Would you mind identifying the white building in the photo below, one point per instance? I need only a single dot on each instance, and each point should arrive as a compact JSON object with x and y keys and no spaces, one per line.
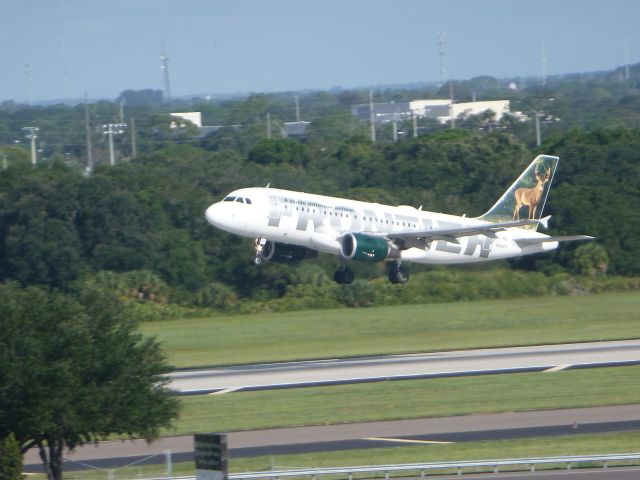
{"x":499,"y":107}
{"x":193,"y":117}
{"x":441,"y":109}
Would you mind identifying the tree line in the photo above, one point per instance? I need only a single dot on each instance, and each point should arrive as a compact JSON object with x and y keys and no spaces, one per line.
{"x":59,"y":227}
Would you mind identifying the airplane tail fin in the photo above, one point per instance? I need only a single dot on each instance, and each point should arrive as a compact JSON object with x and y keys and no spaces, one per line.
{"x":526,"y":197}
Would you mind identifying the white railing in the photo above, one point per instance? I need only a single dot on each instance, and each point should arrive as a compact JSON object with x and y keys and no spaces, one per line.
{"x":420,"y":469}
{"x":424,"y":468}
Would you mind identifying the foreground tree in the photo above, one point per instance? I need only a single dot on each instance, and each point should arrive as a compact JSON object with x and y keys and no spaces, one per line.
{"x":73,"y":372}
{"x":10,"y":459}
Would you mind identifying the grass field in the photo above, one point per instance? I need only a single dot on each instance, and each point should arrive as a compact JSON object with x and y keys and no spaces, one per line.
{"x":409,"y":399}
{"x":234,"y":339}
{"x":520,"y":448}
{"x":531,"y":447}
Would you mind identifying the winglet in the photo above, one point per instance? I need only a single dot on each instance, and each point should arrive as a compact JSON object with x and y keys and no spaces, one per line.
{"x":545,"y":221}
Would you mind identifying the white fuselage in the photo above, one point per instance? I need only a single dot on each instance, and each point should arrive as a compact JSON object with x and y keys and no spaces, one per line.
{"x":318,"y":222}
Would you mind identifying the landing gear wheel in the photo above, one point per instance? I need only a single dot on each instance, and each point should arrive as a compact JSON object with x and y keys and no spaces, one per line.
{"x":343,"y":276}
{"x":259,"y":245}
{"x":398,"y":275}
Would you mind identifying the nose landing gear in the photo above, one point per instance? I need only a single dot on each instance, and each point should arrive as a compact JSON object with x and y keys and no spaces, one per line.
{"x":259,"y":259}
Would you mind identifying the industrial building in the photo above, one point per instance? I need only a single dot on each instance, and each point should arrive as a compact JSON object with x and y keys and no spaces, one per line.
{"x":441,"y":110}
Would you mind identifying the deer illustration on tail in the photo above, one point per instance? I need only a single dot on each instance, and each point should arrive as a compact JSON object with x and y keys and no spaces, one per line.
{"x":531,"y":196}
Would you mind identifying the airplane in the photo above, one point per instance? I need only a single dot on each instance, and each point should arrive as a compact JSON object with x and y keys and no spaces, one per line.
{"x":289,"y":226}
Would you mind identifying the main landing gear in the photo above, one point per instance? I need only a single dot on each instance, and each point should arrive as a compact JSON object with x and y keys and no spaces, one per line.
{"x":397,"y":274}
{"x":343,"y":276}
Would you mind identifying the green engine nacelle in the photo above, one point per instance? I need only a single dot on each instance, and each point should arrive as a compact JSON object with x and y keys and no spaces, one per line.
{"x":364,"y":248}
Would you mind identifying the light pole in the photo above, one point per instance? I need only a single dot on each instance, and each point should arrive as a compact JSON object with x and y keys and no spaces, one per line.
{"x":111,"y":129}
{"x":32,"y":134}
{"x":538,"y":136}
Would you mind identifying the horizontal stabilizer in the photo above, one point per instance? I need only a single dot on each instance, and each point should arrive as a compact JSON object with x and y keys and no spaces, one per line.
{"x":526,"y":242}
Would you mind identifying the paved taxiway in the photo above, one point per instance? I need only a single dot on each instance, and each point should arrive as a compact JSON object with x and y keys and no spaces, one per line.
{"x":412,"y":366}
{"x":367,"y":435}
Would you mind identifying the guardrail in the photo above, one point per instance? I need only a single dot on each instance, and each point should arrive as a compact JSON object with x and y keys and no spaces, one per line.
{"x":423,"y":468}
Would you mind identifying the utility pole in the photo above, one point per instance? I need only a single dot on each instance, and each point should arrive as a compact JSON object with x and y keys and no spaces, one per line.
{"x":164,"y":68}
{"x":451,"y":109}
{"x":269,"y":126}
{"x":626,"y":58}
{"x":372,"y":119}
{"x":110,"y":130}
{"x":544,"y":64}
{"x":32,"y":134}
{"x":538,"y":136}
{"x":87,"y":131}
{"x":121,"y":110}
{"x":27,"y":74}
{"x":414,"y":120}
{"x":134,"y":148}
{"x":395,"y":128}
{"x":297,"y":100}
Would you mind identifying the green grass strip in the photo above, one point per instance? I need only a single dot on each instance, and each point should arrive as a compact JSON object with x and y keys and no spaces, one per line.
{"x":395,"y":400}
{"x":234,"y":339}
{"x":591,"y":444}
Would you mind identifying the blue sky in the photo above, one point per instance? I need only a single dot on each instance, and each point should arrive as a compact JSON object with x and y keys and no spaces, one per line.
{"x":227,"y":46}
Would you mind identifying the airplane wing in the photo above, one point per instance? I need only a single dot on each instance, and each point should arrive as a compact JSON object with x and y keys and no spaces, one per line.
{"x":526,"y":242}
{"x":413,"y":238}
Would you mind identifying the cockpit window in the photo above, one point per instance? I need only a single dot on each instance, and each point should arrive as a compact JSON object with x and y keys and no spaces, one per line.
{"x":247,"y":200}
{"x":229,"y":199}
{"x":240,"y":200}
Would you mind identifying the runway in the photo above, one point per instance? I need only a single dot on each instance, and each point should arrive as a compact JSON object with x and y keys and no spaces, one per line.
{"x":365,"y":435}
{"x":405,"y":367}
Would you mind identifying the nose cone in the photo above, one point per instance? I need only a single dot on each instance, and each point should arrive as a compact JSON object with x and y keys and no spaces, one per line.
{"x":215,"y":214}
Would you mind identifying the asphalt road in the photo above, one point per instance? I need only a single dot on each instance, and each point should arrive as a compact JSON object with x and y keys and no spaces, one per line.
{"x":402,"y":367}
{"x":365,"y":435}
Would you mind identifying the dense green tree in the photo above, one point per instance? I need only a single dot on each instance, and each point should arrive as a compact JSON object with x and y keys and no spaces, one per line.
{"x":277,"y":151}
{"x":74,"y":372}
{"x":10,"y":459}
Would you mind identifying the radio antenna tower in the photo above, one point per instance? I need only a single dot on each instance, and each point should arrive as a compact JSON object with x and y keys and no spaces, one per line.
{"x":164,"y":68}
{"x":63,"y":49}
{"x":442,"y":42}
{"x":544,"y":64}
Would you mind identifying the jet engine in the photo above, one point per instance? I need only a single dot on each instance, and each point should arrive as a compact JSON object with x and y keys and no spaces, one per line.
{"x":366,"y":248}
{"x":285,"y":253}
